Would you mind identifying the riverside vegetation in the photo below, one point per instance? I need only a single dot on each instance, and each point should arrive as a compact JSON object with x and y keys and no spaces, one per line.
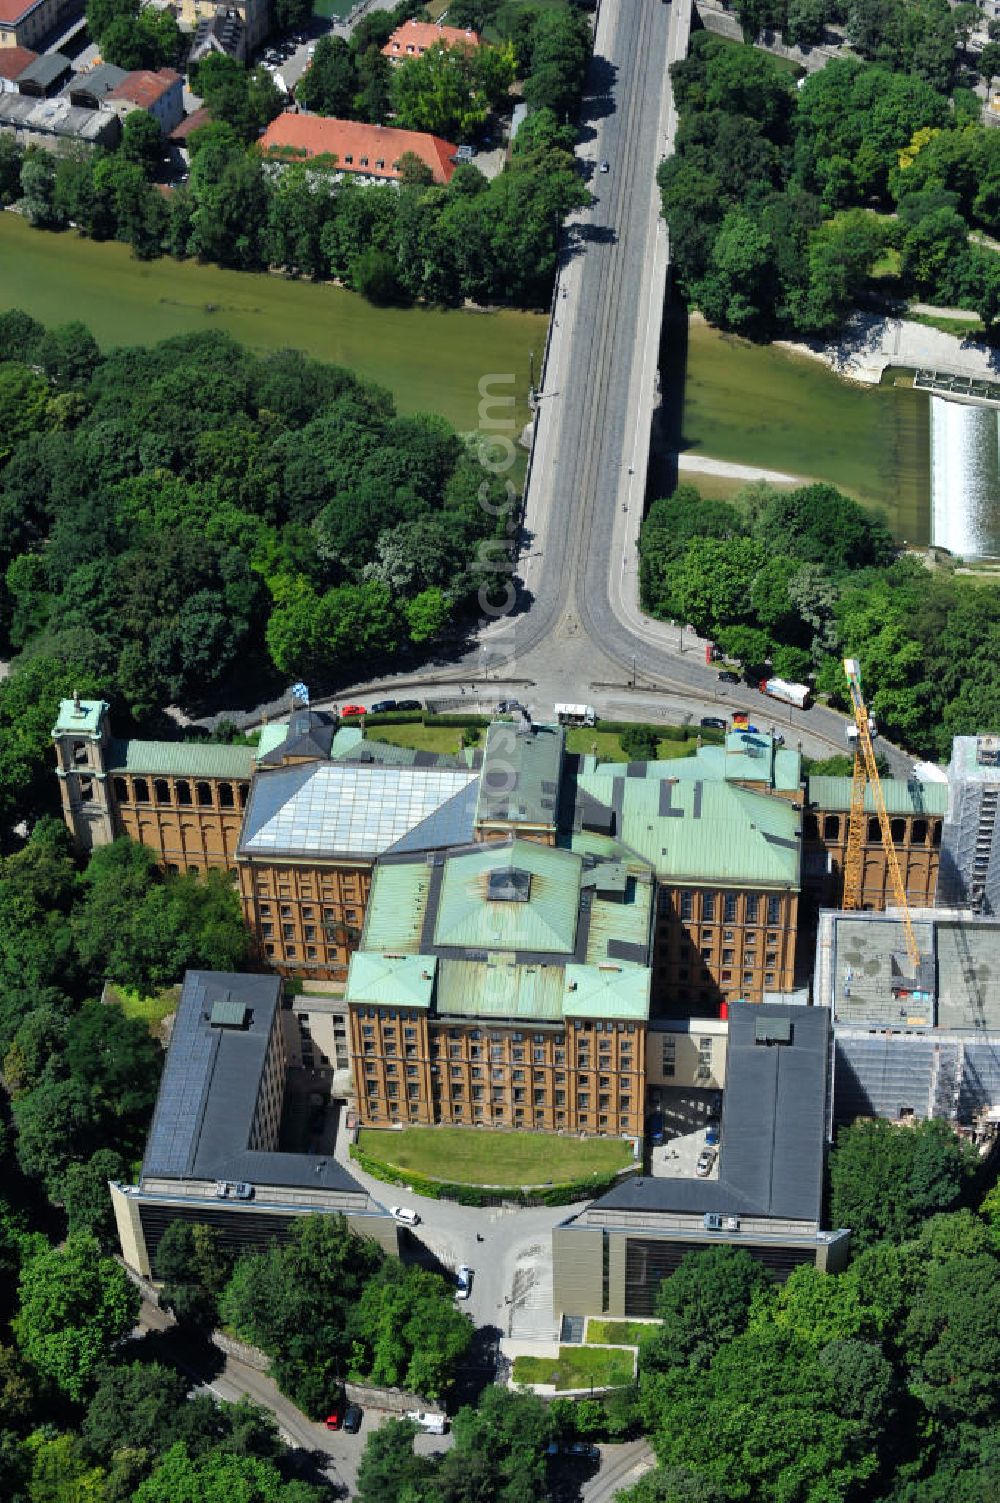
{"x":801,"y":578}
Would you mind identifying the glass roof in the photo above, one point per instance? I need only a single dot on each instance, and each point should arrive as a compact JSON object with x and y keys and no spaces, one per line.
{"x":343,"y":808}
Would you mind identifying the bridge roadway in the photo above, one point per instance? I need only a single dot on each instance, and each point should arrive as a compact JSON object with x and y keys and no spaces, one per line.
{"x":580,"y":623}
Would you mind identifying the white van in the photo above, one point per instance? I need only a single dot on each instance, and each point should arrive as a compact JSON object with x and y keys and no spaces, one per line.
{"x":432,"y":1424}
{"x":576,"y":714}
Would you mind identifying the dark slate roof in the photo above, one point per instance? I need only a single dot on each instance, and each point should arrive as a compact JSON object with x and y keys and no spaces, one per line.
{"x":773,"y":1127}
{"x":208,"y":1092}
{"x":310,"y":735}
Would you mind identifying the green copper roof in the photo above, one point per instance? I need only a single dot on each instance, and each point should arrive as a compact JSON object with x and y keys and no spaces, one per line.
{"x":499,"y":988}
{"x":85,"y":721}
{"x":592,"y":991}
{"x":390,"y":980}
{"x":901,"y":797}
{"x":519,"y":782}
{"x":271,"y":736}
{"x":614,"y":925}
{"x":397,"y":903}
{"x":472,"y":914}
{"x":746,"y":757}
{"x":182,"y":759}
{"x":695,"y":830}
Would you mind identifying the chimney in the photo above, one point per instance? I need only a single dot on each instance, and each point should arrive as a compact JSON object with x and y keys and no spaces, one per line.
{"x":77,"y":707}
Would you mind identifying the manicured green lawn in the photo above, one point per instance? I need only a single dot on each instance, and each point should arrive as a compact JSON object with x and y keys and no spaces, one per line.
{"x":618,"y":1332}
{"x":434,"y":738}
{"x":958,"y":326}
{"x":578,"y":1367}
{"x":150,"y":1010}
{"x":607,"y":746}
{"x":431,"y":361}
{"x":467,"y":1156}
{"x":331,"y":8}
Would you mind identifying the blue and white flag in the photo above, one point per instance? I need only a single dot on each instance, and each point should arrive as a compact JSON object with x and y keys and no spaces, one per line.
{"x":301,"y":693}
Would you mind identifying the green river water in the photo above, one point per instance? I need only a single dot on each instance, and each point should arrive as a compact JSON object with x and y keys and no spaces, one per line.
{"x":757,"y":405}
{"x":431,"y":361}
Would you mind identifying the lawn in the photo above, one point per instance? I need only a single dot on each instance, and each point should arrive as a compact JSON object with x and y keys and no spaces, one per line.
{"x":619,"y":1332}
{"x":150,"y":1010}
{"x":578,"y":1367}
{"x":958,"y":326}
{"x":332,"y":8}
{"x":433,"y":738}
{"x":466,"y":1156}
{"x":431,"y":360}
{"x":606,"y":745}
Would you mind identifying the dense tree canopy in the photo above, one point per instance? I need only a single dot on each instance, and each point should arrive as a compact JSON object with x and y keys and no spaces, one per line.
{"x":780,"y":200}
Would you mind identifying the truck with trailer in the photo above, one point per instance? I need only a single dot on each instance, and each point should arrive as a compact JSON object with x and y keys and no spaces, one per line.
{"x":576,"y":714}
{"x":790,"y":694}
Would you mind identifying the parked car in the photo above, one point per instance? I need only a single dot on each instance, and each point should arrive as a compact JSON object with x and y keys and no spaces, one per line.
{"x":383,"y":706}
{"x":712,"y":1137}
{"x":654,"y":1128}
{"x":463,"y":1281}
{"x":604,"y":167}
{"x":409,"y":704}
{"x":353,"y":710}
{"x":705,"y":1161}
{"x":353,"y":1415}
{"x":433,"y":1424}
{"x":726,"y":677}
{"x":715,"y":1106}
{"x":585,"y":1449}
{"x":508,"y":706}
{"x":714,"y":723}
{"x":404,"y":1215}
{"x":335,"y":1418}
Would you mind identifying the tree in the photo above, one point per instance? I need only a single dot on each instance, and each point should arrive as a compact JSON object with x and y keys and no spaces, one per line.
{"x":819,"y":525}
{"x":712,"y":581}
{"x":746,"y":644}
{"x":703,"y":1305}
{"x":142,"y":142}
{"x":413,"y":1334}
{"x":219,"y":1475}
{"x":886,"y":1178}
{"x":86,"y":1197}
{"x":428,"y":614}
{"x":195,"y":1269}
{"x":639,"y":743}
{"x":74,"y":1306}
{"x":389,"y":1471}
{"x":499,"y":1451}
{"x":134,"y":1404}
{"x":38,"y":184}
{"x":951,"y":1340}
{"x":329,"y":85}
{"x":56,"y":1123}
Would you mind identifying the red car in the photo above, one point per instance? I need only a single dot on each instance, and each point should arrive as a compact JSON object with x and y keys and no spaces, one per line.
{"x":335,"y":1420}
{"x":353,"y":710}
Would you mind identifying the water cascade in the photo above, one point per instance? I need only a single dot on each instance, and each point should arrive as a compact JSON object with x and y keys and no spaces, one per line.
{"x":965,"y":478}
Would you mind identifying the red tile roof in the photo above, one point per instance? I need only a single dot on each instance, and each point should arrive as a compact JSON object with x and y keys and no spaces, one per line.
{"x":14,"y":60}
{"x":414,"y":37}
{"x":144,"y":87}
{"x":12,"y":11}
{"x":359,"y":147}
{"x":191,"y":122}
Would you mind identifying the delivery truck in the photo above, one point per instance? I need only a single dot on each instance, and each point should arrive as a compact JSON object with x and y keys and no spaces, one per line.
{"x":576,"y":714}
{"x":789,"y":694}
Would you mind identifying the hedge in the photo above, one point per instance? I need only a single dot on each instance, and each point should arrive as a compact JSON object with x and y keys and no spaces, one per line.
{"x":672,"y":732}
{"x":479,"y":721}
{"x":484,"y":1195}
{"x":393,"y":717}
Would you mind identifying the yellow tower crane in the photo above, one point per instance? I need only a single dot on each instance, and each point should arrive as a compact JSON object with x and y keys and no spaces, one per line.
{"x":866,"y":775}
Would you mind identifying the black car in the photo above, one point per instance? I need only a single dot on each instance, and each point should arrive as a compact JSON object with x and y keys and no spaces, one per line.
{"x":353,"y":1416}
{"x":508,"y":706}
{"x":714,"y":723}
{"x":383,"y":706}
{"x":725,"y":677}
{"x":409,"y":704}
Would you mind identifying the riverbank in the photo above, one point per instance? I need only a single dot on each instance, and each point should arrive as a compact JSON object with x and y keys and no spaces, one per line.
{"x":870,"y":345}
{"x":431,"y":360}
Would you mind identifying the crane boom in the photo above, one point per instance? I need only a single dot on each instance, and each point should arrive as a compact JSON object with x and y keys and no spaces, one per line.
{"x":866,"y":775}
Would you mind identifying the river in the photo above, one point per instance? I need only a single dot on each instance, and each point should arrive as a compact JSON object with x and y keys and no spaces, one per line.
{"x":431,"y":361}
{"x":930,"y":467}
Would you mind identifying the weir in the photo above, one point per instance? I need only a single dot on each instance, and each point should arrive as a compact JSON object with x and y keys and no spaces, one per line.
{"x":965,"y":478}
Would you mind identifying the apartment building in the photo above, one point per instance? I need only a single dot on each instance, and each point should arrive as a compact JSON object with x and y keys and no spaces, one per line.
{"x":916,"y":819}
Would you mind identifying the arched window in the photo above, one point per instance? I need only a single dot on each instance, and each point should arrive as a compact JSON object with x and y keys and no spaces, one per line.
{"x":937,"y":833}
{"x":225,"y":795}
{"x":874,"y":833}
{"x":161,"y":791}
{"x":244,"y":790}
{"x":918,"y":832}
{"x":897,"y":829}
{"x":86,"y":790}
{"x":141,"y":790}
{"x":831,"y":827}
{"x":79,"y":753}
{"x":811,"y":827}
{"x":121,"y":790}
{"x":183,"y":789}
{"x":204,"y":793}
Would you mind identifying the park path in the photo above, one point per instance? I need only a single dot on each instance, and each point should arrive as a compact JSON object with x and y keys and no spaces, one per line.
{"x":869,"y":344}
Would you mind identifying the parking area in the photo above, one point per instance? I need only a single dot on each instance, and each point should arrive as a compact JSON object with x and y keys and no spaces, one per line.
{"x":689,"y":1121}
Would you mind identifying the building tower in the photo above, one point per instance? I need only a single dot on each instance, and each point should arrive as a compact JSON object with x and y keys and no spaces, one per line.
{"x":81,"y":735}
{"x":969,"y":876}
